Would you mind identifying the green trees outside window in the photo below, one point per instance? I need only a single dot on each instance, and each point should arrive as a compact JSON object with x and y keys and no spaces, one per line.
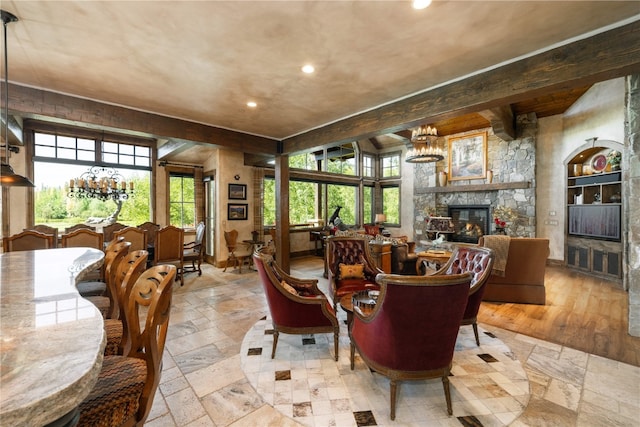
{"x":182,"y":200}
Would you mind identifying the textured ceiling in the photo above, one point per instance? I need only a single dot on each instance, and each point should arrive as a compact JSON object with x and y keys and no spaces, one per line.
{"x":203,"y":60}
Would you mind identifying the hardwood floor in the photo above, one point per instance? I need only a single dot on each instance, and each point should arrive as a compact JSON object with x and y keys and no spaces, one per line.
{"x":581,"y":312}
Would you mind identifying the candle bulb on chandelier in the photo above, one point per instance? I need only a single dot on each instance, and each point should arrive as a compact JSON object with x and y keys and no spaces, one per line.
{"x":71,"y":184}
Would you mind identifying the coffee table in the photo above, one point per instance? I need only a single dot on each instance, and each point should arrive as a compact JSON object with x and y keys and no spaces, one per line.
{"x":432,"y":259}
{"x":365,"y":301}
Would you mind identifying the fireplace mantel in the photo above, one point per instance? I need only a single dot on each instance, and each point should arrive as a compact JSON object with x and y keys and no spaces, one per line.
{"x":475,"y":187}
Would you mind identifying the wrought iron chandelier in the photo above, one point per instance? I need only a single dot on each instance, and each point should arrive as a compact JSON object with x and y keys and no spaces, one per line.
{"x":425,"y":149}
{"x":100,"y":183}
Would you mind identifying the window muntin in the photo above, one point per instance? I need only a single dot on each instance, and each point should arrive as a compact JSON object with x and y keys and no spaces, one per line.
{"x":126,"y":154}
{"x":182,"y":200}
{"x":391,"y":204}
{"x":59,"y":158}
{"x":390,"y":165}
{"x":64,"y":147}
{"x":368,"y":168}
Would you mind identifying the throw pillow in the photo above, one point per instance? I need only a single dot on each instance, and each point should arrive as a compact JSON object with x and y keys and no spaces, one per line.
{"x":353,"y":271}
{"x":289,"y":288}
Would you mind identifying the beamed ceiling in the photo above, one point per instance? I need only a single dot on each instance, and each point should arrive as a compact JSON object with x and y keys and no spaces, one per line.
{"x":182,"y":72}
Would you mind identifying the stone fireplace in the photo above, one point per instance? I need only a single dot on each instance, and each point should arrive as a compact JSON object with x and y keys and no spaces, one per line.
{"x":470,"y":222}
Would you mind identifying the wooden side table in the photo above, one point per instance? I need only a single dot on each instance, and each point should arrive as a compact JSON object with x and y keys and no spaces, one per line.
{"x":381,"y":252}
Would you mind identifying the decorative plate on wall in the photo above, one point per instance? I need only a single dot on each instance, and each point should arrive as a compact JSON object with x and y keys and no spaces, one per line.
{"x":599,"y":163}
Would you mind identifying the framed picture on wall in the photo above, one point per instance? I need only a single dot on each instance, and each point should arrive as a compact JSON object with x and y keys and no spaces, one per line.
{"x":468,"y":156}
{"x":237,"y":211}
{"x":237,"y":192}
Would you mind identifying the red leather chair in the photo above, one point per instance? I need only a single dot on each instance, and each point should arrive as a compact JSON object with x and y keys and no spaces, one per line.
{"x":411,"y":333}
{"x":297,"y":306}
{"x":479,"y":262}
{"x":349,"y":251}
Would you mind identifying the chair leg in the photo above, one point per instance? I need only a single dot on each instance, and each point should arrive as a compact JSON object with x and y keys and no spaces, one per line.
{"x":447,"y":392}
{"x":475,"y":332}
{"x":336,"y":337}
{"x":226,"y":264}
{"x":275,"y":343}
{"x":393,"y":390}
{"x":352,"y":354}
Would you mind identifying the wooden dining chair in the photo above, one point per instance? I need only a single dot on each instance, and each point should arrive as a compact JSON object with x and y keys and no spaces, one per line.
{"x":80,"y":226}
{"x":112,"y":260}
{"x":82,"y":237}
{"x":97,"y":286}
{"x":151,"y":229}
{"x":238,"y":253}
{"x":108,"y":230}
{"x":129,"y":270}
{"x":169,"y":249}
{"x":27,"y":241}
{"x":135,"y":235}
{"x":126,"y":385}
{"x":43,"y":228}
{"x":194,"y":251}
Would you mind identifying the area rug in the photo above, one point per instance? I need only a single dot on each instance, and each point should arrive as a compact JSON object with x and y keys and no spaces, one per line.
{"x":489,"y":386}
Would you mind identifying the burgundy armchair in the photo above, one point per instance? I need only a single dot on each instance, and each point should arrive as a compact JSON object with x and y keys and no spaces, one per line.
{"x":479,"y":262}
{"x":297,"y":306}
{"x":349,"y":251}
{"x":411,"y":333}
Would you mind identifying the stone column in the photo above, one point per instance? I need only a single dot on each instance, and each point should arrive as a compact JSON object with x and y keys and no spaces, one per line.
{"x":631,"y":198}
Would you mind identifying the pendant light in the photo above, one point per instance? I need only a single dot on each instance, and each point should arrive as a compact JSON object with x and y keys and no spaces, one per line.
{"x":8,"y":178}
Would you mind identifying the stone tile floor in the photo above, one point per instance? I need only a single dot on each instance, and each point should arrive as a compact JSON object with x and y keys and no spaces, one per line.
{"x":207,"y":378}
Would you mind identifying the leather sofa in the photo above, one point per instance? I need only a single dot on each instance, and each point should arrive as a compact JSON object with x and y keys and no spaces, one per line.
{"x":523,"y":280}
{"x":403,"y":258}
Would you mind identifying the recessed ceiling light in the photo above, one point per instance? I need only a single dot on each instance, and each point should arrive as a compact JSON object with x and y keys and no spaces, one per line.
{"x":421,"y":4}
{"x":252,"y":104}
{"x":308,"y":69}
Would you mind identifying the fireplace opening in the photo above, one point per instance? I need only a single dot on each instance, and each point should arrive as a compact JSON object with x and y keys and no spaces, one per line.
{"x":470,"y":222}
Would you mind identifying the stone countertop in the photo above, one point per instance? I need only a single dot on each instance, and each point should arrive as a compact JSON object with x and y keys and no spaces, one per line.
{"x":51,"y":339}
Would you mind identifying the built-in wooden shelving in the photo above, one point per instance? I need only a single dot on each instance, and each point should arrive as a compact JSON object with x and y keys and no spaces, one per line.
{"x":475,"y":187}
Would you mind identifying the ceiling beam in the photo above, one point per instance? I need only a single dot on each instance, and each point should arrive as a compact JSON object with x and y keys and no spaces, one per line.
{"x":65,"y":109}
{"x":173,"y":147}
{"x":502,"y":121}
{"x":612,"y":54}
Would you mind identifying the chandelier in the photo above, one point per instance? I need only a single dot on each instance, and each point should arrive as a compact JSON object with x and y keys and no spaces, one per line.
{"x":100,"y":183}
{"x":424,"y":148}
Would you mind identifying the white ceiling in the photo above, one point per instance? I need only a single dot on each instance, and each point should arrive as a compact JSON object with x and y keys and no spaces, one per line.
{"x":203,"y":60}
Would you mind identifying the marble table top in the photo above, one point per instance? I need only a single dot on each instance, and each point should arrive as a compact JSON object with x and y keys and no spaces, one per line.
{"x":51,"y":339}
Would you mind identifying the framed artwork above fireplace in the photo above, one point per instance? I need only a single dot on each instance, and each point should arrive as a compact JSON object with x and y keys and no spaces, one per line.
{"x":468,"y":156}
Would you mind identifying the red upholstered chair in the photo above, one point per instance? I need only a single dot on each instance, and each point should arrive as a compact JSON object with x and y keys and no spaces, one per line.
{"x":479,"y":262}
{"x":411,"y":333}
{"x":371,"y":230}
{"x":349,"y":251}
{"x":297,"y":308}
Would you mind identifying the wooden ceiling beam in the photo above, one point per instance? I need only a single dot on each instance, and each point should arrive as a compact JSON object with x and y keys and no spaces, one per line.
{"x":502,"y":121}
{"x":612,"y":54}
{"x":64,"y":109}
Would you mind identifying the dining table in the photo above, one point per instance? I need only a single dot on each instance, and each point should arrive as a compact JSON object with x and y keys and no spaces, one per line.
{"x":51,"y":339}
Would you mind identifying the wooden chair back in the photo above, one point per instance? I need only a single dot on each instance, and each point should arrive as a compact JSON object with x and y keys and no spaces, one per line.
{"x":79,"y":227}
{"x":194,"y":251}
{"x":231,"y":240}
{"x":112,"y":259}
{"x":151,"y":293}
{"x":151,"y":229}
{"x":137,"y":237}
{"x":83,"y":237}
{"x":43,"y":228}
{"x":108,"y":230}
{"x":27,"y":241}
{"x":169,"y":248}
{"x":130,"y":268}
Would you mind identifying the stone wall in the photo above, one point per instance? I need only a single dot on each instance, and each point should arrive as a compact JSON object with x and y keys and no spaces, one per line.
{"x":631,"y":197}
{"x":512,"y":161}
